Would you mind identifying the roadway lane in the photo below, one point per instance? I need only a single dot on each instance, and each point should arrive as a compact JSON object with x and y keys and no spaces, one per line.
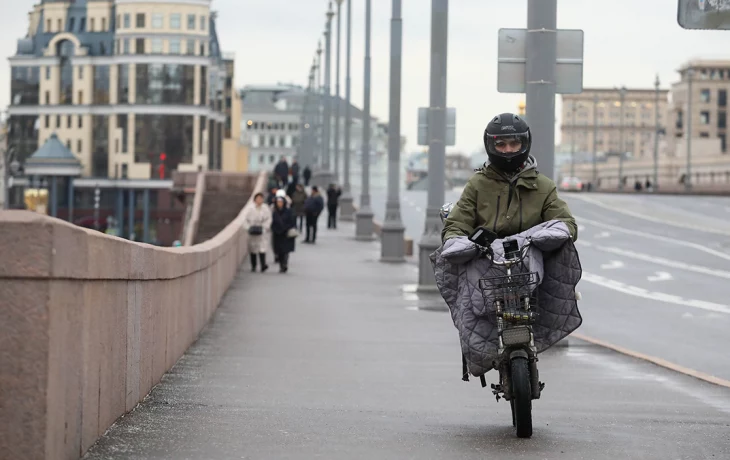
{"x":333,"y":364}
{"x":662,"y":289}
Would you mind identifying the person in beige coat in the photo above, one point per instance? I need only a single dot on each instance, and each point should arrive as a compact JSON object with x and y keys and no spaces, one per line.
{"x":257,"y":222}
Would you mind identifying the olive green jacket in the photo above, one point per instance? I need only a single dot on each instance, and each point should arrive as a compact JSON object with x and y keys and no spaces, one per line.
{"x":507,"y":206}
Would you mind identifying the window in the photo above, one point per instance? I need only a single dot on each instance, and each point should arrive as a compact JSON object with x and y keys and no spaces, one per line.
{"x":81,"y":122}
{"x":705,"y":95}
{"x":99,"y":145}
{"x":48,"y":72}
{"x":48,"y":26}
{"x":261,"y":159}
{"x":125,"y":170}
{"x":174,"y":46}
{"x":157,"y":19}
{"x":722,"y":98}
{"x":122,"y":123}
{"x":91,"y":25}
{"x":68,"y":121}
{"x":103,"y":24}
{"x":126,"y":46}
{"x":172,"y":134}
{"x":71,"y":24}
{"x":165,"y":84}
{"x":175,"y":21}
{"x":116,"y":145}
{"x":191,"y":21}
{"x":78,"y":146}
{"x":58,"y":121}
{"x":48,"y":121}
{"x":190,"y":47}
{"x":101,"y":84}
{"x":202,"y":23}
{"x":81,"y":72}
{"x":139,"y":46}
{"x":127,"y":21}
{"x":156,"y":46}
{"x":282,"y":141}
{"x":82,"y":25}
{"x":202,"y":49}
{"x":705,"y":117}
{"x":140,"y":20}
{"x":123,"y":84}
{"x":80,"y":97}
{"x":60,"y":25}
{"x":68,"y":144}
{"x":119,"y":20}
{"x":722,"y":120}
{"x":25,"y":85}
{"x":723,"y":144}
{"x":262,"y":141}
{"x":704,"y":135}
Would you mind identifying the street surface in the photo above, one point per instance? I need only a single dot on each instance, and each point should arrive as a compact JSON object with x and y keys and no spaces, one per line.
{"x":334,"y":360}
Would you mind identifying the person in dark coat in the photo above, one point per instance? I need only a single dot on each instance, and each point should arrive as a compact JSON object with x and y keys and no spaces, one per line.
{"x":282,"y":221}
{"x":333,"y":201}
{"x":313,"y":207}
{"x":281,"y":171}
{"x":307,"y":175}
{"x":294,"y":171}
{"x":298,"y":197}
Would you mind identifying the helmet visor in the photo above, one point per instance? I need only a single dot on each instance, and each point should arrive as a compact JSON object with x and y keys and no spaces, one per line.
{"x":508,"y":145}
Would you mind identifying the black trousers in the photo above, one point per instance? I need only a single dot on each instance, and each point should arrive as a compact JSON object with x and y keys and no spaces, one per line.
{"x":332,"y":216}
{"x":262,"y":257}
{"x":311,"y":228}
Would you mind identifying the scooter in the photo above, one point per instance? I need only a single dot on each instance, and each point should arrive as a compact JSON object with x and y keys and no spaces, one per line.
{"x":513,"y":299}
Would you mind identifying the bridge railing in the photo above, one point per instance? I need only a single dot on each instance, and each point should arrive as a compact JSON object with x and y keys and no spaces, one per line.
{"x":89,"y":323}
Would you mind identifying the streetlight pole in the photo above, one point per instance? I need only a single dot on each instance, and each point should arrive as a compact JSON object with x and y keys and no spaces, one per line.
{"x":325,"y":175}
{"x":688,"y":121}
{"x":347,"y":210}
{"x":392,"y":243}
{"x":431,"y":239}
{"x":656,"y":134}
{"x":364,"y":216}
{"x":595,"y":142}
{"x":337,"y":97}
{"x":622,"y":93}
{"x":319,"y":104}
{"x":572,"y":143}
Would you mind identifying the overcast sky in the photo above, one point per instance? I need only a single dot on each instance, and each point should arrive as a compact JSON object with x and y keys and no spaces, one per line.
{"x":626,"y":42}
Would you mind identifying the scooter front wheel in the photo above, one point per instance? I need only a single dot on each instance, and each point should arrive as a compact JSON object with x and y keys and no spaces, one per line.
{"x":521,"y":397}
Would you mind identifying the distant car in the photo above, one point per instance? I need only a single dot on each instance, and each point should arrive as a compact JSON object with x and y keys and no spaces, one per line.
{"x":571,"y":184}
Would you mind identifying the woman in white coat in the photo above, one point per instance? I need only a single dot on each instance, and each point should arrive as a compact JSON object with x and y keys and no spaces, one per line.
{"x":257,"y":222}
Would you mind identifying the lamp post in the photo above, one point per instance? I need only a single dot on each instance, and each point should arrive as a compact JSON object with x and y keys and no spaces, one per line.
{"x":572,"y":142}
{"x":622,"y":96}
{"x":347,"y":210}
{"x":431,"y":239}
{"x":364,"y":226}
{"x":336,"y":153}
{"x":392,"y":243}
{"x":595,"y":142}
{"x":656,"y":133}
{"x":688,"y":122}
{"x":324,"y":175}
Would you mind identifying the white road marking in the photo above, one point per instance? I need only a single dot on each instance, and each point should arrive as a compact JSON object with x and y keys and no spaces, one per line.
{"x":654,"y":219}
{"x":660,"y":276}
{"x":652,"y":295}
{"x":665,"y":239}
{"x":613,"y":264}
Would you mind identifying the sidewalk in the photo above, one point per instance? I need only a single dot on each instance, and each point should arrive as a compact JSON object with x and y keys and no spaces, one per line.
{"x":332,"y":360}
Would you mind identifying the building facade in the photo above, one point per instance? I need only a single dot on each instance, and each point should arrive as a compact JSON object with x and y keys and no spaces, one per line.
{"x":271,"y":126}
{"x":709,"y":105}
{"x":596,"y":113}
{"x":135,"y":89}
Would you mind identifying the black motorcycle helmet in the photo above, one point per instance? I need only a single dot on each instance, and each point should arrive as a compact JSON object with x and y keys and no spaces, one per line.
{"x":504,"y":128}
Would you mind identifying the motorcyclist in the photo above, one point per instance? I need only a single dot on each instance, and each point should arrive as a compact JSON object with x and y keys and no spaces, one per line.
{"x":508,"y":195}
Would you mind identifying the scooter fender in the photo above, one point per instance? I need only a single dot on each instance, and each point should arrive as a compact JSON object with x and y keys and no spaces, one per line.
{"x":518,"y":354}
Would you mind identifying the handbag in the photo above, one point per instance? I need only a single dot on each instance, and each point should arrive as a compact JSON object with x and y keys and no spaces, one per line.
{"x":292,"y":233}
{"x":255,"y":230}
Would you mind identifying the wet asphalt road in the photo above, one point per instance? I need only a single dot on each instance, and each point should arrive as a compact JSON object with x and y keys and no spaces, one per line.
{"x":337,"y":363}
